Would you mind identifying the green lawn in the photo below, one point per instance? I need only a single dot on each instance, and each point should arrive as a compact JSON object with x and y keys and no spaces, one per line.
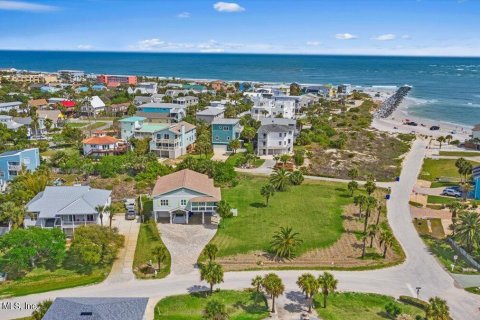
{"x":434,"y":169}
{"x":148,"y":238}
{"x":41,"y":280}
{"x":240,"y":305}
{"x":444,"y":253}
{"x":77,"y":124}
{"x":313,"y":209}
{"x":359,"y":306}
{"x":460,"y":153}
{"x":474,"y":290}
{"x":441,"y":199}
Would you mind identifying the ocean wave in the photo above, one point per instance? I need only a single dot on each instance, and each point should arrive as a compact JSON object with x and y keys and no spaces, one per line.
{"x":419,"y":101}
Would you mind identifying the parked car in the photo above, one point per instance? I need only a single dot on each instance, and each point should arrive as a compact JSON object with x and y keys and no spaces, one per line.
{"x":451,"y":192}
{"x":434,"y":128}
{"x":130,"y":204}
{"x":411,"y":123}
{"x":130,"y":214}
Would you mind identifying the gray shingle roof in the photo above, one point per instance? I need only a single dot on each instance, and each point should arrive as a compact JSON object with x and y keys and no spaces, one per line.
{"x":279,"y":121}
{"x":97,"y":309}
{"x":67,"y":200}
{"x":211,"y":111}
{"x":274,"y":128}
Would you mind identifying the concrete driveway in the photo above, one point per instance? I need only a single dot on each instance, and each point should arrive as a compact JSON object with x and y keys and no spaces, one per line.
{"x":122,"y":267}
{"x":185,"y":243}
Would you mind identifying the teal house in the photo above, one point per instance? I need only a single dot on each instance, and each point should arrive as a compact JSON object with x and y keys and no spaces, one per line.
{"x":224,"y":131}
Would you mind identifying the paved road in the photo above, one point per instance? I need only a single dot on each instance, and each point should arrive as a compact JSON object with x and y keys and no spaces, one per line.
{"x":420,"y":269}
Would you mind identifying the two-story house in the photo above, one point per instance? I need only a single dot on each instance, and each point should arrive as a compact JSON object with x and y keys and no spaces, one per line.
{"x":224,"y":131}
{"x":210,"y":114}
{"x":93,"y":106}
{"x":67,"y":207}
{"x":186,"y":101}
{"x":129,"y":125}
{"x":185,"y":196}
{"x":276,"y":136}
{"x":12,"y":162}
{"x":102,"y":145}
{"x":168,"y":112}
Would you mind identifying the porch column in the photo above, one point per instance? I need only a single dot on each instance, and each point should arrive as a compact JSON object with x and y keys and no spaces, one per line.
{"x":171,"y":218}
{"x":203,"y":217}
{"x":186,"y":216}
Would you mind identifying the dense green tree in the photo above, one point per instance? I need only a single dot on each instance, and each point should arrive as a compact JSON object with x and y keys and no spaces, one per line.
{"x":215,"y":310}
{"x":210,"y":251}
{"x":267,"y":191}
{"x":280,"y":179}
{"x":437,"y":309}
{"x":212,"y":273}
{"x":296,"y":178}
{"x":285,"y":242}
{"x":160,"y":254}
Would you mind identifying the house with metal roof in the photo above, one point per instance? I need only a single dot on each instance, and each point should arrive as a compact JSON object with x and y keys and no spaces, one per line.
{"x":97,"y":308}
{"x":7,"y":106}
{"x":185,"y":196}
{"x":210,"y":114}
{"x":10,"y":122}
{"x":93,"y":106}
{"x":168,"y":112}
{"x":66,"y":207}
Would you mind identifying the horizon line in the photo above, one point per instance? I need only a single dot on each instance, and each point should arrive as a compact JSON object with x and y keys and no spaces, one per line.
{"x":246,"y":53}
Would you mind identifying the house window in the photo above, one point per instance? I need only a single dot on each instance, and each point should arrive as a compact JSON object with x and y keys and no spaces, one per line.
{"x":164,"y":203}
{"x":216,"y":138}
{"x":90,"y":217}
{"x":228,"y":138}
{"x":280,"y":134}
{"x":279,"y":143}
{"x":183,"y":202}
{"x":166,"y":136}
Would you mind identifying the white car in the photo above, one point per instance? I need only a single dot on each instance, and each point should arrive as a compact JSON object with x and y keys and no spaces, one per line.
{"x":451,"y":193}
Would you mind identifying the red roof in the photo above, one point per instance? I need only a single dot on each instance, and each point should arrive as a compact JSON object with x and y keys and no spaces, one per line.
{"x":68,"y":104}
{"x":100,"y":140}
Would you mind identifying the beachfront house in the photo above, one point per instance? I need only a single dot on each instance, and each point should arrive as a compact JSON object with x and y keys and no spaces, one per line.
{"x":210,"y":114}
{"x":185,"y":197}
{"x":276,"y":136}
{"x":167,"y":112}
{"x":13,"y":162}
{"x":224,"y":131}
{"x":67,"y":208}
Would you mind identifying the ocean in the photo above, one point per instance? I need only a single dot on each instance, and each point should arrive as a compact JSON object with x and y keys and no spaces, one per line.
{"x":445,"y":89}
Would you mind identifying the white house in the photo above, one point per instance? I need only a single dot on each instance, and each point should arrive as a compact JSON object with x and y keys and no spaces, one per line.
{"x":210,"y":114}
{"x":93,"y":106}
{"x":185,"y":196}
{"x":66,"y":208}
{"x":186,"y":101}
{"x":275,"y":136}
{"x":103,"y":145}
{"x":7,"y":106}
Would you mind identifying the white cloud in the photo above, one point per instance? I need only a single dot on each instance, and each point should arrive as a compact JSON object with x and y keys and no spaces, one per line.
{"x":149,"y":44}
{"x":345,"y":36}
{"x":406,"y":37}
{"x":385,"y":37}
{"x":228,"y":7}
{"x":313,"y":43}
{"x":184,"y":15}
{"x":84,"y":46}
{"x":26,"y":6}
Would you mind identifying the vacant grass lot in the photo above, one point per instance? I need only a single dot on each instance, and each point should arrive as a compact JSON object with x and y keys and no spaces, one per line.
{"x":460,"y":153}
{"x":360,"y":306}
{"x":41,"y":280}
{"x":234,"y":157}
{"x":148,"y":238}
{"x":434,"y":169}
{"x":240,"y":305}
{"x":313,"y":209}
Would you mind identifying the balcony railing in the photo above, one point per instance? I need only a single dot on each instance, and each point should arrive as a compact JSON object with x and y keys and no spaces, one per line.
{"x":14,"y":167}
{"x":76,"y":223}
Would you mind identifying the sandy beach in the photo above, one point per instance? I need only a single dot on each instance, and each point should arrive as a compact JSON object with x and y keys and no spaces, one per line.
{"x":395,"y":123}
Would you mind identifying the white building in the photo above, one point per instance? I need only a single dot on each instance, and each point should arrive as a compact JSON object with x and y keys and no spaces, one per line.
{"x":7,"y":106}
{"x":276,"y":136}
{"x":93,"y":106}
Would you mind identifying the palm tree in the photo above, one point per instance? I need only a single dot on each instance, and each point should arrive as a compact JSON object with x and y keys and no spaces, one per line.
{"x":370,"y":204}
{"x":285,"y":242}
{"x":466,"y":188}
{"x":160,"y":254}
{"x":454,"y":208}
{"x":234,"y":145}
{"x":267,"y":191}
{"x":100,"y":210}
{"x":441,"y":140}
{"x":296,"y":178}
{"x":352,"y":186}
{"x":370,"y":187}
{"x":212,"y":273}
{"x":360,"y":201}
{"x":467,"y":230}
{"x":215,"y":310}
{"x":273,"y":286}
{"x":310,"y":286}
{"x":437,"y":309}
{"x":379,"y":212}
{"x":386,"y":238}
{"x":449,"y":138}
{"x":210,"y":251}
{"x":111,"y":213}
{"x":328,"y":285}
{"x":284,"y":158}
{"x":41,"y":310}
{"x":372,"y":232}
{"x":280,"y":179}
{"x":249,"y":133}
{"x":257,"y":283}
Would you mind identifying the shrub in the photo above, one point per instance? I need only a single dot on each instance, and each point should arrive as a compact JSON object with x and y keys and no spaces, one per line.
{"x":415,"y":204}
{"x":414,"y":302}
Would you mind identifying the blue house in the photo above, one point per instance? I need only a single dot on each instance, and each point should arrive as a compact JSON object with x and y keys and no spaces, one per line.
{"x":169,"y":112}
{"x":225,"y":130}
{"x":12,"y":162}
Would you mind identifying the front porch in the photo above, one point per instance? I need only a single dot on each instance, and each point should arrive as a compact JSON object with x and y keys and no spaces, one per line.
{"x":180,"y":216}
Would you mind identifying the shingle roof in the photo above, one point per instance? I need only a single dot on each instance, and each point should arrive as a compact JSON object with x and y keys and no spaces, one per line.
{"x":67,"y":200}
{"x":187,"y":179}
{"x":97,"y":309}
{"x":37,"y":102}
{"x":211,"y":111}
{"x":100,"y":140}
{"x":226,"y":121}
{"x":274,"y":128}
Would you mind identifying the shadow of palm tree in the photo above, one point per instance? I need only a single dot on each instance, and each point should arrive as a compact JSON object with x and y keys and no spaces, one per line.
{"x":198,"y":289}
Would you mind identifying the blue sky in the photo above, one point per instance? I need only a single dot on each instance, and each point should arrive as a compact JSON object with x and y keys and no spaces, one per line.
{"x":384,"y":27}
